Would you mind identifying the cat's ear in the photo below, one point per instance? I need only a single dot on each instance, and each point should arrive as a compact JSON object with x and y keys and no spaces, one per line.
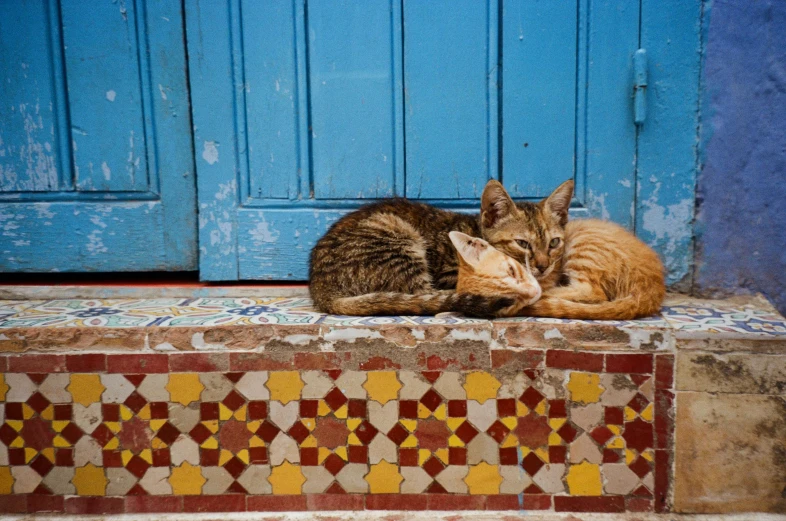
{"x":495,"y":204}
{"x":470,"y":249}
{"x":559,"y":201}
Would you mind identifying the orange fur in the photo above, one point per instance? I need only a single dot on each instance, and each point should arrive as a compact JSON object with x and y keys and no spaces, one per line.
{"x":612,"y":275}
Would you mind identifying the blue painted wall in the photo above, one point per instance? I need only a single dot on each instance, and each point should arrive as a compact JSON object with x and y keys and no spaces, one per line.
{"x":741,"y":195}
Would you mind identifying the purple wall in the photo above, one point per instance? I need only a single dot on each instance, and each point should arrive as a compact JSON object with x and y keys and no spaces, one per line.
{"x":741,"y":196}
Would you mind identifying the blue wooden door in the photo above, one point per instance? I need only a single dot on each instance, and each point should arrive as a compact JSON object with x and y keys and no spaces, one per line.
{"x":96,"y":161}
{"x":306,"y":110}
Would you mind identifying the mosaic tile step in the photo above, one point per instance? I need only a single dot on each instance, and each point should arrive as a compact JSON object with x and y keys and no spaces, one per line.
{"x":291,"y":323}
{"x":113,"y":433}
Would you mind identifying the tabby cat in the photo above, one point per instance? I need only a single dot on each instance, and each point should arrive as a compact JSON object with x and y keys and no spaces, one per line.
{"x":589,"y":269}
{"x":395,"y":257}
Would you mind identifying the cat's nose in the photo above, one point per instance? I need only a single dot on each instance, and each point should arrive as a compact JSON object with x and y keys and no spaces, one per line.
{"x":542,"y":267}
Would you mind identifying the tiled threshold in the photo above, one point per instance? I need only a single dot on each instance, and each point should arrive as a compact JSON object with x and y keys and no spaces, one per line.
{"x":219,"y":403}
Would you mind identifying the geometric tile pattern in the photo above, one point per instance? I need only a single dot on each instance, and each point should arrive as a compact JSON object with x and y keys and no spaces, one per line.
{"x":681,"y":314}
{"x":573,"y":433}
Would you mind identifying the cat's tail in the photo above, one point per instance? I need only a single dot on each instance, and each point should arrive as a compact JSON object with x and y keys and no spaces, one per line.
{"x":391,"y":303}
{"x":626,"y":308}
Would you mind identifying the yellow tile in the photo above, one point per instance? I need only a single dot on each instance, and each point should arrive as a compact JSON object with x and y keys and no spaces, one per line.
{"x":15,"y":424}
{"x":112,"y":444}
{"x":521,"y":409}
{"x":630,"y":414}
{"x":555,"y":439}
{"x":126,"y":456}
{"x":287,"y":478}
{"x":3,"y":389}
{"x":85,"y":388}
{"x":616,"y":443}
{"x":616,"y":429}
{"x":383,"y":478}
{"x":543,"y":454}
{"x":58,"y":442}
{"x":442,"y":455}
{"x":224,"y":456}
{"x":224,"y":412}
{"x":285,"y":386}
{"x":441,"y":412}
{"x":455,"y":441}
{"x":212,"y":425}
{"x":241,"y":413}
{"x":30,"y":453}
{"x":341,"y":452}
{"x":49,"y":453}
{"x":147,"y":455}
{"x":89,"y":480}
{"x":510,"y":422}
{"x":342,"y":412}
{"x":648,"y":455}
{"x":423,"y":456}
{"x":481,"y":386}
{"x":541,"y":408}
{"x":187,"y":479}
{"x":48,"y":413}
{"x":311,"y":423}
{"x":353,"y":423}
{"x":629,"y":456}
{"x":210,"y":443}
{"x":256,"y":441}
{"x":483,"y":478}
{"x":27,"y":411}
{"x":584,"y":387}
{"x":156,"y":443}
{"x":59,"y":425}
{"x":423,"y":411}
{"x":157,"y":424}
{"x":113,"y":426}
{"x":510,"y":441}
{"x":323,"y":409}
{"x":184,"y":388}
{"x":646,"y":414}
{"x":253,"y":426}
{"x":18,"y":443}
{"x":454,"y":423}
{"x":410,"y":425}
{"x":557,"y":423}
{"x":584,"y":480}
{"x":6,"y":479}
{"x":243,"y":456}
{"x":309,"y":442}
{"x":322,"y":454}
{"x":410,"y":442}
{"x":144,"y":412}
{"x":382,"y":386}
{"x":125,"y":413}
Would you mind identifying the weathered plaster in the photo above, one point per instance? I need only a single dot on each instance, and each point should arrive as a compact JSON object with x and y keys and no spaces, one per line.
{"x":741,"y":193}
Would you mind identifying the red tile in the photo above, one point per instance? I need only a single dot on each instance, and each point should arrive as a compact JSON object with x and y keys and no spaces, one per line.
{"x":568,"y":432}
{"x":398,"y":434}
{"x":498,"y":431}
{"x":558,"y":453}
{"x":466,"y":432}
{"x":408,"y":409}
{"x":45,"y":503}
{"x":356,"y":408}
{"x":526,"y":359}
{"x":3,"y":364}
{"x":638,"y":504}
{"x":431,"y":399}
{"x":508,"y":456}
{"x":63,"y":411}
{"x":358,"y":454}
{"x":258,"y":455}
{"x":396,"y":502}
{"x":574,"y":360}
{"x":137,"y":364}
{"x":327,"y":502}
{"x":601,"y":434}
{"x":662,"y":470}
{"x":664,"y":371}
{"x":37,"y":364}
{"x":87,"y":363}
{"x":259,"y":362}
{"x":94,"y":505}
{"x":629,"y":363}
{"x":614,"y":415}
{"x":611,"y":456}
{"x":233,"y":400}
{"x":518,"y":502}
{"x":532,"y":463}
{"x":503,"y":502}
{"x":321,"y":361}
{"x":640,"y":467}
{"x":531,"y":397}
{"x":379,"y":363}
{"x":13,"y":504}
{"x":664,"y":419}
{"x":308,"y":408}
{"x":153,"y":504}
{"x":431,"y":376}
{"x":335,"y":398}
{"x":456,"y":502}
{"x":366,"y":432}
{"x":557,"y":409}
{"x":589,"y":504}
{"x":168,"y":433}
{"x":222,"y":503}
{"x":159,"y":410}
{"x":638,"y":435}
{"x":277,"y":503}
{"x":257,"y":410}
{"x":198,"y":362}
{"x":64,"y":457}
{"x":505,"y":407}
{"x":408,"y":457}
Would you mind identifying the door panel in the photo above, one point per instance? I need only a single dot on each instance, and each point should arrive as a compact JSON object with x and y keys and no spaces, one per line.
{"x":450,"y":79}
{"x":95,"y":147}
{"x":342,"y":102}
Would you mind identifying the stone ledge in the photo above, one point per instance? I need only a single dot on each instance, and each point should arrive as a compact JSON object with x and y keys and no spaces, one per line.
{"x":279,"y":325}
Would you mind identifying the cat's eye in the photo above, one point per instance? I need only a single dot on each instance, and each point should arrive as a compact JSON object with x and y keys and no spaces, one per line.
{"x":524,"y":244}
{"x":554,"y":242}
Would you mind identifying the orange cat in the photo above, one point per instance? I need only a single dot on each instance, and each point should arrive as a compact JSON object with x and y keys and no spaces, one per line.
{"x":484,"y":270}
{"x":607,"y":273}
